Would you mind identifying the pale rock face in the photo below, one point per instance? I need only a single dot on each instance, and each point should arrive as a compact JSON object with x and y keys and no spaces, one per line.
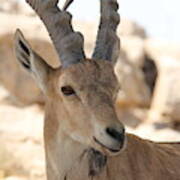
{"x":129,"y":28}
{"x":166,"y":100}
{"x":134,"y":90}
{"x":150,"y":71}
{"x":15,"y":7}
{"x":156,"y":48}
{"x":132,"y":47}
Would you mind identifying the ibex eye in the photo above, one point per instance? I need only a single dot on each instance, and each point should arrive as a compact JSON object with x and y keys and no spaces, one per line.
{"x":67,"y":90}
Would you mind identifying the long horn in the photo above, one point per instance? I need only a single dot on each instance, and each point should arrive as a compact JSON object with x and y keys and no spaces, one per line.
{"x":108,"y":43}
{"x":69,"y":44}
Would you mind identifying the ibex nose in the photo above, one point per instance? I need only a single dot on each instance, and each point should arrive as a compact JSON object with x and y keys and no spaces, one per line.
{"x":117,"y":135}
{"x":111,"y":137}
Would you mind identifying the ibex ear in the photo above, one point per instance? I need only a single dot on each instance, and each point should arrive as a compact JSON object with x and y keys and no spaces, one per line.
{"x":31,"y":61}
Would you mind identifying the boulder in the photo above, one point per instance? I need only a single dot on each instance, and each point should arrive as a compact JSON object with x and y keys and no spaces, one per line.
{"x":166,"y":100}
{"x":132,"y":47}
{"x":15,"y":7}
{"x":130,"y":28}
{"x":134,"y":91}
{"x":156,"y":48}
{"x":150,"y":73}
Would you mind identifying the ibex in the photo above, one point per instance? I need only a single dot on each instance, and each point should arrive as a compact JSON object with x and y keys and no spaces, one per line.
{"x":83,"y":137}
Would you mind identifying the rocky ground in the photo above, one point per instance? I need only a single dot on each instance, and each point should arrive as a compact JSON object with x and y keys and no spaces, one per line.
{"x":21,"y":147}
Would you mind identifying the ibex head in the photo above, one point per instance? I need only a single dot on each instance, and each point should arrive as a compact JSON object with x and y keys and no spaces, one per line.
{"x":81,"y":93}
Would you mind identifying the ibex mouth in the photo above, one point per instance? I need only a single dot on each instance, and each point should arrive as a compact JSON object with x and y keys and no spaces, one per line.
{"x":110,"y":149}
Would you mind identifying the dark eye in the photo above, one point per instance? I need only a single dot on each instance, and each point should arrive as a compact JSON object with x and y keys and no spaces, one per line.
{"x":68,"y":90}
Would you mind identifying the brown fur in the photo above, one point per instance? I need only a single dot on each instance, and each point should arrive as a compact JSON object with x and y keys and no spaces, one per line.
{"x":141,"y":159}
{"x":70,"y":121}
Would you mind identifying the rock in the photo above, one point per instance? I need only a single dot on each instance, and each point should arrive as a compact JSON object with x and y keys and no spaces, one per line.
{"x":150,"y":72}
{"x":143,"y":74}
{"x":15,"y":178}
{"x":134,"y":91}
{"x":15,"y":7}
{"x":7,"y":6}
{"x":156,"y":48}
{"x":2,"y":174}
{"x":151,"y":132}
{"x":132,"y":116}
{"x":130,"y":28}
{"x":132,"y":47}
{"x":166,"y":100}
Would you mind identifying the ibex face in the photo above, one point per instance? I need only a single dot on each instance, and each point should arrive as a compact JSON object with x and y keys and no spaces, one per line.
{"x":88,"y":91}
{"x":81,"y":93}
{"x":83,"y":97}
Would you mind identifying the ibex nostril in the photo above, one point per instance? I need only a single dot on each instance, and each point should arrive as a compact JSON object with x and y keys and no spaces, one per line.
{"x":117,"y":135}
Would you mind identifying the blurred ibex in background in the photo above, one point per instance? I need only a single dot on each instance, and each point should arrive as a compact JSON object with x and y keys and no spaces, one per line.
{"x":83,"y":137}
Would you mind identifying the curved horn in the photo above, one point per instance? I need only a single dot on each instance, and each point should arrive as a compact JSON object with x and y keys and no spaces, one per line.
{"x":108,"y":43}
{"x":69,"y":44}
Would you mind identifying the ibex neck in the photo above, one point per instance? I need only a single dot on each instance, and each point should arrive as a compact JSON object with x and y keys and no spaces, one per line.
{"x":69,"y":159}
{"x":62,"y":153}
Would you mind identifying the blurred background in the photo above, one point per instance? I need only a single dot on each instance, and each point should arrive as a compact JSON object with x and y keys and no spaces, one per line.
{"x":148,"y":71}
